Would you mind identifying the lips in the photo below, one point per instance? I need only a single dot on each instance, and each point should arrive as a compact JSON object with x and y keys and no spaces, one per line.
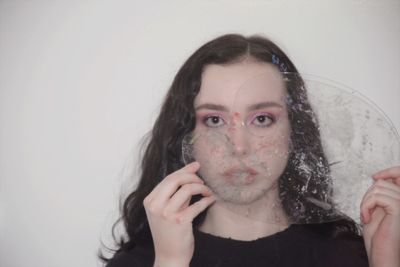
{"x":235,"y":170}
{"x":246,"y":174}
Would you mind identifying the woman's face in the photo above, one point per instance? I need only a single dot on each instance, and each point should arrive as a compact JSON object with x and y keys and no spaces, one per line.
{"x":241,"y":138}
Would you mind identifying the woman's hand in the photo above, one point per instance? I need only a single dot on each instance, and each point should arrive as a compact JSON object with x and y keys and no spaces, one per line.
{"x":380,"y":213}
{"x":170,"y":216}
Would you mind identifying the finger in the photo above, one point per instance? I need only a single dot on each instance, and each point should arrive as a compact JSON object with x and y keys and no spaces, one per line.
{"x":171,"y":184}
{"x":195,"y":209}
{"x":382,"y":186}
{"x":393,"y":173}
{"x":188,"y":169}
{"x":192,"y":167}
{"x":389,"y":204}
{"x":395,"y":181}
{"x":184,"y":194}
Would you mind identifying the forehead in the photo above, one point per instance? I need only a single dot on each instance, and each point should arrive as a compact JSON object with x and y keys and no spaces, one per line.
{"x":247,"y":81}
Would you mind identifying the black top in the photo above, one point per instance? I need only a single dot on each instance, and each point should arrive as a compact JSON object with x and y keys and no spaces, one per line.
{"x":295,"y":246}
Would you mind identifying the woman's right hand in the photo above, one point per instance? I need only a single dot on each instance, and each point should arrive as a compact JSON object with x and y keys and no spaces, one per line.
{"x":170,"y":216}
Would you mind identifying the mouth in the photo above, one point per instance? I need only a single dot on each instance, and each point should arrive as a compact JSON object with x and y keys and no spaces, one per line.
{"x":245,"y":175}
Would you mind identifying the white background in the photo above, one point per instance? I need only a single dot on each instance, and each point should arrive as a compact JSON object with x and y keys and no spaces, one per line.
{"x":82,"y":81}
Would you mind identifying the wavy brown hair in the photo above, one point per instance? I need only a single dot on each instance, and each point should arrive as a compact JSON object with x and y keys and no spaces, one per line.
{"x":163,"y":156}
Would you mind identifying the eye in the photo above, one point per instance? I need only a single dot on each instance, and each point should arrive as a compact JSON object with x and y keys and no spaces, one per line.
{"x":213,"y":121}
{"x":263,"y":120}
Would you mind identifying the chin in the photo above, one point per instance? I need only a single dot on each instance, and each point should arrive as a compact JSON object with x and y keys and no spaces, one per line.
{"x":240,"y":195}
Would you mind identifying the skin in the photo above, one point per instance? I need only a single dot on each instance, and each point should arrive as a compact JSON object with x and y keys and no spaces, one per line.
{"x":380,"y":213}
{"x":243,"y":217}
{"x":170,"y":216}
{"x":247,"y":206}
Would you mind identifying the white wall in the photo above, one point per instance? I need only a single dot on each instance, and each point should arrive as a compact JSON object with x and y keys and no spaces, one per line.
{"x":82,"y":81}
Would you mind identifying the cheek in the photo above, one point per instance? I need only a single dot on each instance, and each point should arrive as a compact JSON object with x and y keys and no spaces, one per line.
{"x":272,"y":155}
{"x":209,"y":151}
{"x":279,"y":145}
{"x":275,"y":137}
{"x":212,"y":159}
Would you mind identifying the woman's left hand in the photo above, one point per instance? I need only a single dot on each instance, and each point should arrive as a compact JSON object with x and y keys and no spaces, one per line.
{"x":380,"y":214}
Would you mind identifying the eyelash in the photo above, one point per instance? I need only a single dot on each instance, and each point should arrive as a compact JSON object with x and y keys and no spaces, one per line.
{"x":267,"y":116}
{"x":207,"y":120}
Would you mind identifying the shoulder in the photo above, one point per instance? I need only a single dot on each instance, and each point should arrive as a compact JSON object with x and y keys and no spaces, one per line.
{"x":141,"y":255}
{"x":342,"y":251}
{"x":305,"y":245}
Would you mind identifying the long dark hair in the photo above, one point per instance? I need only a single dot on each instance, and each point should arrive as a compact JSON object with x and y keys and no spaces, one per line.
{"x":162,"y":155}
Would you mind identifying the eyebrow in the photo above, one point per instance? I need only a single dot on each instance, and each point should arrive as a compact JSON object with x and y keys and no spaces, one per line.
{"x":212,"y":107}
{"x":250,"y":108}
{"x":264,"y":105}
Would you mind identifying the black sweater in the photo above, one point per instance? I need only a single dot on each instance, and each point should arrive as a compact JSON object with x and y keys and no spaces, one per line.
{"x":295,"y":246}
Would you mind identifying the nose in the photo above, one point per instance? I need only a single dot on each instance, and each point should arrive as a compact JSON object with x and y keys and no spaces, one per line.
{"x":239,"y":140}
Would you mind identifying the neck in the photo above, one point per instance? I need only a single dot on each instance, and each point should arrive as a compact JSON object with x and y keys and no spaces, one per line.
{"x":247,"y":222}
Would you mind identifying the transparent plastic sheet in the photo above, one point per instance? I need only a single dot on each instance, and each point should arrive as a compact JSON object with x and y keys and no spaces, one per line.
{"x":288,"y":152}
{"x":358,"y":140}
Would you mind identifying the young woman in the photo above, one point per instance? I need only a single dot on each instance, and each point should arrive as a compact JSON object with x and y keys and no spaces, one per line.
{"x":255,"y":145}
